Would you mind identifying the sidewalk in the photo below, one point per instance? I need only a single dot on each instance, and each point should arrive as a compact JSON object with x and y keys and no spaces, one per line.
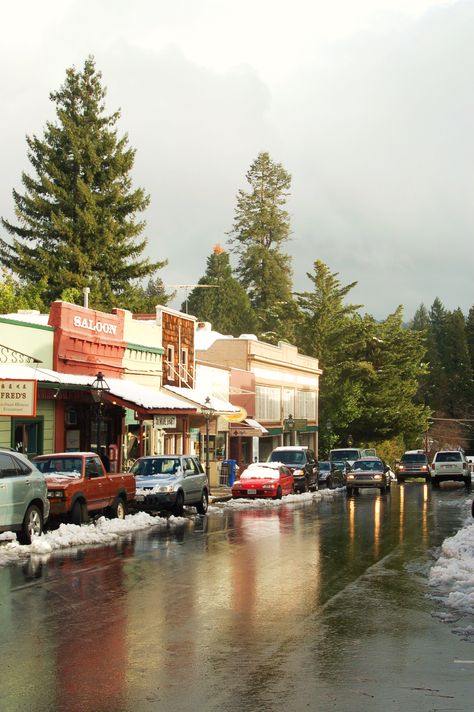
{"x":220,"y":493}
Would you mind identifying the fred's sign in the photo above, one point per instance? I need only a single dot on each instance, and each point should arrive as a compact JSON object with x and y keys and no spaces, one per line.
{"x":18,"y":398}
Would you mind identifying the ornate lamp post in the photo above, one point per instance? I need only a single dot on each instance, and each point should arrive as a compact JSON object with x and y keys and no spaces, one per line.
{"x":290,"y":424}
{"x":208,"y":412}
{"x":98,"y":388}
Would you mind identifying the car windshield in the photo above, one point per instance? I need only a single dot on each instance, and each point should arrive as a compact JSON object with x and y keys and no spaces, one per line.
{"x":413,"y":458}
{"x":324,"y":465}
{"x":448,"y":457}
{"x":344,"y":454}
{"x":260,"y":472}
{"x":156,"y":467}
{"x":288,"y":457}
{"x":70,"y":466}
{"x":367,"y":465}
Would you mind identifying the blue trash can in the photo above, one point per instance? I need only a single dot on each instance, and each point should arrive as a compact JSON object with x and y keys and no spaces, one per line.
{"x":230,"y":467}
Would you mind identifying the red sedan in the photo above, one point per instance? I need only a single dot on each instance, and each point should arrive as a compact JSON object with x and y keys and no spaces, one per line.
{"x":264,"y":479}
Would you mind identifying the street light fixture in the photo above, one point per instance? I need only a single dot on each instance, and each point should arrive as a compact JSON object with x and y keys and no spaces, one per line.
{"x":98,"y":388}
{"x":208,"y":412}
{"x":290,"y":424}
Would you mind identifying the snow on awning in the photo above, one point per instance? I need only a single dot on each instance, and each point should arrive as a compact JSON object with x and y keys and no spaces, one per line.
{"x":198,"y":398}
{"x":255,"y":424}
{"x":132,"y":395}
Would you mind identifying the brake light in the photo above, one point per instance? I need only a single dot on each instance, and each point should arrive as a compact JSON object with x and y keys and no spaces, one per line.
{"x":433,"y":466}
{"x":464,"y":465}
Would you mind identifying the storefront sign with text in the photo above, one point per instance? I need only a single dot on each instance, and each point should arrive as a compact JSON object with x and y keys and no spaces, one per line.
{"x":18,"y":398}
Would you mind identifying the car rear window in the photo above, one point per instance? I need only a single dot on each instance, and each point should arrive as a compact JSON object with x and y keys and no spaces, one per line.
{"x":413,"y":458}
{"x":260,"y":471}
{"x":448,"y":457}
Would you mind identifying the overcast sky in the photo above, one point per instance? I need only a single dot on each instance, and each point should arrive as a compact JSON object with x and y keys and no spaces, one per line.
{"x":366,"y":103}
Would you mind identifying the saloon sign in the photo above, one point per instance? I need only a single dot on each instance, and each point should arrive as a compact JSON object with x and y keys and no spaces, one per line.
{"x":100,"y":327}
{"x":18,"y":398}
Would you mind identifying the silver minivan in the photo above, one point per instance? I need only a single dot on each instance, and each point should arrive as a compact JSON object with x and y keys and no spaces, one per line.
{"x":24,"y":504}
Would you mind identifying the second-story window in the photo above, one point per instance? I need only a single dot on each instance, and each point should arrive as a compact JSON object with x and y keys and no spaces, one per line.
{"x":183,"y":366}
{"x":170,"y":362}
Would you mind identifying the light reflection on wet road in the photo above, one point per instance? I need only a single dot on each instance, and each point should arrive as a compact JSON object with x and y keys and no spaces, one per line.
{"x":319,"y":605}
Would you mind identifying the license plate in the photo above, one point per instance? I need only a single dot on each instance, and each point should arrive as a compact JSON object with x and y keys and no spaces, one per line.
{"x":140,"y":498}
{"x":252,"y":491}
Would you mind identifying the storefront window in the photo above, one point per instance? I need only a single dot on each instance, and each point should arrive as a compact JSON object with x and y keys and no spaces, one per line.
{"x":27,"y":436}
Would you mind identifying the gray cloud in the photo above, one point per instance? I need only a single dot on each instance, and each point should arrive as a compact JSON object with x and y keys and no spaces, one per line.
{"x":376,"y":130}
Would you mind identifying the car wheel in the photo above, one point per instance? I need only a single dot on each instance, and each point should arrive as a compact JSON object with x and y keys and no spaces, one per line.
{"x":349,"y":491}
{"x":32,"y":524}
{"x":467,"y":482}
{"x":178,"y":505}
{"x":79,"y":513}
{"x":305,"y":486}
{"x":279,"y":493}
{"x":329,"y":483}
{"x":203,"y":505}
{"x":119,"y":509}
{"x":435,"y":482}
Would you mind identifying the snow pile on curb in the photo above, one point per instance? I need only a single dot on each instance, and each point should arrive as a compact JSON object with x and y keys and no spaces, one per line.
{"x":102,"y":531}
{"x":453,"y":573}
{"x":270,"y":503}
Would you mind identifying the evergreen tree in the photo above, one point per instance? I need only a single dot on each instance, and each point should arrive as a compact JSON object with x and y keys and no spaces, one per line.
{"x":261,"y":226}
{"x":438,"y":387}
{"x":225,"y":303}
{"x":77,"y":218}
{"x":457,"y":365}
{"x":470,"y":335}
{"x":332,"y":331}
{"x":397,"y":360}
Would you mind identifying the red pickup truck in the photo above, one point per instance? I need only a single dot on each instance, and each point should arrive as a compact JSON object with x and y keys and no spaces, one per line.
{"x":78,"y":485}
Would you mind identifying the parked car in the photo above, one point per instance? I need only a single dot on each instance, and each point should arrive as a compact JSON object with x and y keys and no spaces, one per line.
{"x":368,"y":472}
{"x":350,"y":454}
{"x":264,"y":479}
{"x":78,"y":485}
{"x":24,"y":504}
{"x":450,"y":465}
{"x":170,"y":482}
{"x":302,"y":463}
{"x":333,"y":474}
{"x":413,"y":463}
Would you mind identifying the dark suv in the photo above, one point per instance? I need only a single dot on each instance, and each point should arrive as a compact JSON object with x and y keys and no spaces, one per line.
{"x":413,"y":463}
{"x":302,"y":463}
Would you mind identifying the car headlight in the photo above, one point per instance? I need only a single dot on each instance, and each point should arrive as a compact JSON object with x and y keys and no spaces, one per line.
{"x":167,"y":488}
{"x":377,"y":477}
{"x":401,"y":467}
{"x":350,"y":477}
{"x":236,"y":484}
{"x":298,"y":473}
{"x":56,"y":494}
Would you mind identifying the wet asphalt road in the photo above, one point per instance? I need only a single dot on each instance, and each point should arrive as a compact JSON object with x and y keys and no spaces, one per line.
{"x":321,"y":605}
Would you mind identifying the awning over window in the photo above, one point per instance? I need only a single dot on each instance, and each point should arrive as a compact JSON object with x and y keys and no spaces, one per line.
{"x":127,"y":393}
{"x":198,"y":399}
{"x":248,"y":428}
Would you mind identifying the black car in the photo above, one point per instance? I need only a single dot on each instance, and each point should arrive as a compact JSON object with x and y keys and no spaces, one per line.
{"x":302,"y":463}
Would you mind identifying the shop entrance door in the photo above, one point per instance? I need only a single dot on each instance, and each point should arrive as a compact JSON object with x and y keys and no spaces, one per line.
{"x":27,"y":436}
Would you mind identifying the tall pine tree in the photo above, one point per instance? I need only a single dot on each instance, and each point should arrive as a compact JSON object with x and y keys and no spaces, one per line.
{"x":261,"y":226}
{"x":221,"y":299}
{"x":77,"y":218}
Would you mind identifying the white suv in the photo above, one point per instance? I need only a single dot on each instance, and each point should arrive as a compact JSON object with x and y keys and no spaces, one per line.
{"x":450,"y":465}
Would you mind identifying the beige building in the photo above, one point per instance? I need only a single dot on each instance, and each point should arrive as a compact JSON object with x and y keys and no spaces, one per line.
{"x":277,"y":387}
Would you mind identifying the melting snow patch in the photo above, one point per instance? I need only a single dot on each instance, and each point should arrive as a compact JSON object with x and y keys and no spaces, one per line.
{"x":267,"y":503}
{"x":453,"y":573}
{"x":102,"y":531}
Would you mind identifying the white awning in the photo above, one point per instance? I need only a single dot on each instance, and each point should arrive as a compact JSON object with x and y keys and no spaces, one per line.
{"x":134,"y":395}
{"x":255,"y":424}
{"x":198,"y":398}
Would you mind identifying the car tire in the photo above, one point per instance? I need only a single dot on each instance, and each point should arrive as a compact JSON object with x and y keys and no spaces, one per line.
{"x":203,"y":504}
{"x":79,"y":513}
{"x":349,"y":491}
{"x":279,"y":493}
{"x":32,"y":524}
{"x":328,"y":483}
{"x":467,"y":482}
{"x":435,"y":482}
{"x":178,"y":505}
{"x":119,"y":509}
